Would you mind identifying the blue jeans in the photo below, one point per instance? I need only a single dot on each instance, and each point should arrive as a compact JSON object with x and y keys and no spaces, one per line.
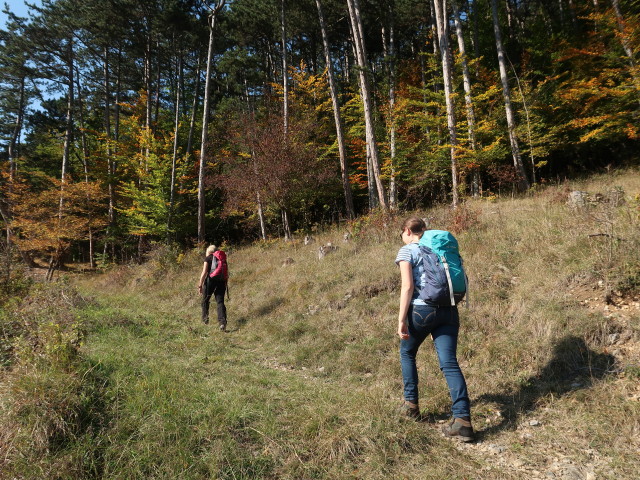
{"x":443,"y":324}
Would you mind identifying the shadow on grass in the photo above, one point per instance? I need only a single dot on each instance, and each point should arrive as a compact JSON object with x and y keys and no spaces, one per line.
{"x":262,"y":310}
{"x":573,"y":366}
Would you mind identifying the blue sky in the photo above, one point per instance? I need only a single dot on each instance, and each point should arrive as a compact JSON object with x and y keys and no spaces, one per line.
{"x":18,"y":7}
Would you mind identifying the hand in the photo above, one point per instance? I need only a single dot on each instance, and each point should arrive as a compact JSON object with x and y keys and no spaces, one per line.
{"x":403,"y":330}
{"x":200,"y":289}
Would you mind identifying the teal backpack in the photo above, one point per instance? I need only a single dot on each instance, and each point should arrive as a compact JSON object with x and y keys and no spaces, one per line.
{"x":446,"y":281}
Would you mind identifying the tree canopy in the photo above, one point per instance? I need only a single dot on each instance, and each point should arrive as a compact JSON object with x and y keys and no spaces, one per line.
{"x":102,"y":104}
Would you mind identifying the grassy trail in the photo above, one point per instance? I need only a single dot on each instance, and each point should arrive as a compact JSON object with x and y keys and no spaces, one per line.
{"x":219,"y":406}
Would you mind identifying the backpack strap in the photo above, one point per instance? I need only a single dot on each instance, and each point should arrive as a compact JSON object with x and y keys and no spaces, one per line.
{"x":467,"y":302}
{"x":214,"y":264}
{"x":446,"y":271}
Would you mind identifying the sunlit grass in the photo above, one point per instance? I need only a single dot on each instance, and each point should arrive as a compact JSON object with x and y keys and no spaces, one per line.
{"x":306,"y":384}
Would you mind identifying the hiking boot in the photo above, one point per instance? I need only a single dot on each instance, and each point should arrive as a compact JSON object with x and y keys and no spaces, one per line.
{"x":461,"y":428}
{"x":410,"y":410}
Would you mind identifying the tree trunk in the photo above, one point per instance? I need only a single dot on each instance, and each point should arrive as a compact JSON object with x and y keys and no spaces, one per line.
{"x":436,"y":53}
{"x":174,"y":157}
{"x":157,"y":94}
{"x":471,"y":118}
{"x":17,"y":131}
{"x":194,"y":108}
{"x":474,"y":37}
{"x":625,"y":34}
{"x":442,"y":23}
{"x":285,"y":225}
{"x":116,"y":107}
{"x":147,"y":83}
{"x":342,"y":151}
{"x":285,"y":73}
{"x":361,"y":60}
{"x":423,"y":84}
{"x":263,"y":230}
{"x":389,"y":53}
{"x":67,"y":140}
{"x":68,"y":134}
{"x":205,"y":120}
{"x":523,"y":182}
{"x":85,"y":163}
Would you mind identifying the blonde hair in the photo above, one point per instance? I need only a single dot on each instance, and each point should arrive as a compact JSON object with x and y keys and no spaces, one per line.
{"x":211,"y":249}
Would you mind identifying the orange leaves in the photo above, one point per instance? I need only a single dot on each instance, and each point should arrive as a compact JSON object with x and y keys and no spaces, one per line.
{"x":50,"y":220}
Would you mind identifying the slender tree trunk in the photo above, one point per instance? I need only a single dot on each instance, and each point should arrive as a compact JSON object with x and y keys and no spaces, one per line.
{"x":285,"y":73}
{"x":342,"y":151}
{"x":285,"y":101}
{"x":114,"y":162}
{"x":68,"y":134}
{"x":529,"y":135}
{"x":17,"y":131}
{"x":442,"y":23}
{"x":85,"y":164}
{"x":625,"y":33}
{"x":423,"y":83}
{"x":285,"y":224}
{"x":361,"y":59}
{"x":523,"y":182}
{"x":194,"y":109}
{"x":116,"y":107}
{"x":68,"y":138}
{"x":263,"y":230}
{"x":174,"y":157}
{"x":372,"y":192}
{"x":205,"y":120}
{"x":436,"y":52}
{"x":434,"y":29}
{"x":147,"y":83}
{"x":346,"y":70}
{"x":471,"y":118}
{"x":474,"y":37}
{"x":107,"y":131}
{"x":389,"y":53}
{"x":13,"y":153}
{"x":157,"y":93}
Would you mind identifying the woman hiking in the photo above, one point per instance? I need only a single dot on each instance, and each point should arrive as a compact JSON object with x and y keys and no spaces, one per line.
{"x":213,"y":281}
{"x":417,"y":320}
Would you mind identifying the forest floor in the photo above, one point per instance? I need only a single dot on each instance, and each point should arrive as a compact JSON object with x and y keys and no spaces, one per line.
{"x":306,"y":384}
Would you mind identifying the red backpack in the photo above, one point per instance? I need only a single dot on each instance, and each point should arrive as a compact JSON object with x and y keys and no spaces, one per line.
{"x":219,"y":270}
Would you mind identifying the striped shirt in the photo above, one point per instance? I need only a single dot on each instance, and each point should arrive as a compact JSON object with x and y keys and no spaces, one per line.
{"x":411,"y":253}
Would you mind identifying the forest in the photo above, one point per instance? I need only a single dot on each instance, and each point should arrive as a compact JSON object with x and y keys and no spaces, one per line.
{"x":131,"y":123}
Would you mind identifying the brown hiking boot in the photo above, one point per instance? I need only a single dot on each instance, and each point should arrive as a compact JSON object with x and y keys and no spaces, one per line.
{"x":461,"y":428}
{"x":410,"y":410}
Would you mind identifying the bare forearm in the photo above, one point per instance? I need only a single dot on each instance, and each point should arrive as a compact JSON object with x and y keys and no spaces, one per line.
{"x":405,"y":300}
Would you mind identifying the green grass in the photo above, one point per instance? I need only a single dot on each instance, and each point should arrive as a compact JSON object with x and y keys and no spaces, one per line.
{"x":306,"y":384}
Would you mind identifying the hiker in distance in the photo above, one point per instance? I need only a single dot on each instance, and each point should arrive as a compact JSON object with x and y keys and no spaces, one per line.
{"x":424,"y":313}
{"x":213,"y":281}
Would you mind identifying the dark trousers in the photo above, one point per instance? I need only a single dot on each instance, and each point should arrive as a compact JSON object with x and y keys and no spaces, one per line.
{"x":215,"y":288}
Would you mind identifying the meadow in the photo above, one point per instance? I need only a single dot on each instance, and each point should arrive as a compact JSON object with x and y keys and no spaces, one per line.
{"x":113,"y":375}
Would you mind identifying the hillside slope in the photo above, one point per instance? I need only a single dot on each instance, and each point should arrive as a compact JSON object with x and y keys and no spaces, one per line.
{"x":306,"y":383}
